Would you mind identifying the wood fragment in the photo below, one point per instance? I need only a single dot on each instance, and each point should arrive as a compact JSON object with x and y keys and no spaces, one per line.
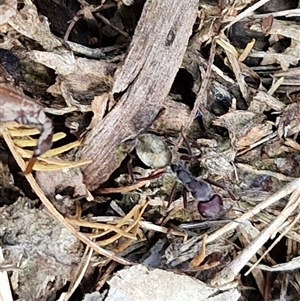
{"x":144,"y":81}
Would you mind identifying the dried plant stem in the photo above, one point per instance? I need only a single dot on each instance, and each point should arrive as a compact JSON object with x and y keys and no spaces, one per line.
{"x":231,"y":271}
{"x":277,"y":175}
{"x":284,"y":13}
{"x":239,"y":262}
{"x":247,"y":12}
{"x":85,"y":260}
{"x":104,"y":278}
{"x":286,"y":190}
{"x":200,"y":102}
{"x":126,"y":189}
{"x":288,"y":228}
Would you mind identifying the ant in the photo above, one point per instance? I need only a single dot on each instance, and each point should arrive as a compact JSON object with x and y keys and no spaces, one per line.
{"x":209,"y":205}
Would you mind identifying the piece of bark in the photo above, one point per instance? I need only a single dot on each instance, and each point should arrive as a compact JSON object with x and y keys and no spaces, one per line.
{"x":144,"y":81}
{"x":172,"y":119}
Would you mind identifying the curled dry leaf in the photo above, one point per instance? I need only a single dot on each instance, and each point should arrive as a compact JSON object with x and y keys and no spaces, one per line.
{"x":264,"y":102}
{"x":244,"y":127}
{"x":217,"y":161}
{"x":235,"y":121}
{"x":172,"y":118}
{"x":79,"y":80}
{"x":153,"y":151}
{"x":29,"y":23}
{"x":266,"y":25}
{"x":98,"y":106}
{"x":282,"y":28}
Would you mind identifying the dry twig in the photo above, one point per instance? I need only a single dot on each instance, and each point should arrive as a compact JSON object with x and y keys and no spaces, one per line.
{"x":144,"y":80}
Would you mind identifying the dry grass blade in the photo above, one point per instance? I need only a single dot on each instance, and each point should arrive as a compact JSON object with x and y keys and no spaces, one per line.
{"x":60,"y":150}
{"x":247,"y":12}
{"x":227,"y":47}
{"x":284,"y":13}
{"x":135,"y":226}
{"x":57,"y":164}
{"x":98,"y":226}
{"x":247,"y":50}
{"x":200,"y":100}
{"x":23,"y":132}
{"x":236,"y":67}
{"x":275,"y":242}
{"x":286,"y":190}
{"x":35,"y":187}
{"x":276,"y":85}
{"x":253,"y":170}
{"x":144,"y":224}
{"x":135,"y":213}
{"x":33,"y":142}
{"x":263,"y":140}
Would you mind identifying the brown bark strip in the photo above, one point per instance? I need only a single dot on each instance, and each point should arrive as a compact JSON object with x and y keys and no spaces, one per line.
{"x":145,"y":79}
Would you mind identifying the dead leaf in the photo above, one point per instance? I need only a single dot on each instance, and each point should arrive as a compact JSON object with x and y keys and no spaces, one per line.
{"x":290,"y":56}
{"x":263,"y":102}
{"x":8,"y":10}
{"x":289,"y":123}
{"x":29,"y":23}
{"x":79,"y":80}
{"x":253,"y":135}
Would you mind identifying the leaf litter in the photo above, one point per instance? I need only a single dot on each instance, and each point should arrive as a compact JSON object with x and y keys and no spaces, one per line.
{"x":232,"y":124}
